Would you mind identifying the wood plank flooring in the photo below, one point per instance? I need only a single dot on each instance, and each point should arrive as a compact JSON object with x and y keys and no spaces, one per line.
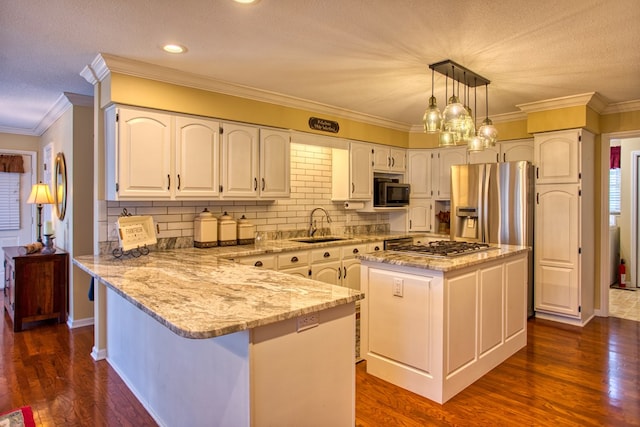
{"x":566,"y":376}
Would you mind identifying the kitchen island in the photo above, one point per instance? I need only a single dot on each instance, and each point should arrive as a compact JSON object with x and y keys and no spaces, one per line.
{"x":436,"y":325}
{"x":203,"y":341}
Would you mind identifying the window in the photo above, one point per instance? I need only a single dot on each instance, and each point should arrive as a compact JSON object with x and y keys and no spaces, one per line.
{"x":9,"y":201}
{"x":614,"y":191}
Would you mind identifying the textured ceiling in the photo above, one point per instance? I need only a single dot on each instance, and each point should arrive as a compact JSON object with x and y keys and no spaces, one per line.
{"x":368,"y":56}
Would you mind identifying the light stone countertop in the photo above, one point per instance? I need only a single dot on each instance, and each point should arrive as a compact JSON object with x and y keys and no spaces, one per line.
{"x":199,"y":293}
{"x":444,"y":264}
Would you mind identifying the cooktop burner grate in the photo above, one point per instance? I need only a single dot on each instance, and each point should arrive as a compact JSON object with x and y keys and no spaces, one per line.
{"x":441,"y":248}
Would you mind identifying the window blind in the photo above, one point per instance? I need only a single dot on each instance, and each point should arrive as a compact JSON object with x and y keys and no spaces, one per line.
{"x":614,"y":191}
{"x":9,"y":201}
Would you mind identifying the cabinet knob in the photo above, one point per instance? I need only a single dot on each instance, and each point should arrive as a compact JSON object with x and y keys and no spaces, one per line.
{"x":377,"y":248}
{"x":294,"y":259}
{"x":355,"y":250}
{"x":258,"y":264}
{"x":326,"y":255}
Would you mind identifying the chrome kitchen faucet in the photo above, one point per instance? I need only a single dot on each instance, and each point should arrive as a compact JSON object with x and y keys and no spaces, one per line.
{"x":312,"y":223}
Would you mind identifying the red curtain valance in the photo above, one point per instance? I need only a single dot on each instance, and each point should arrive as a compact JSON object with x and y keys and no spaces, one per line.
{"x":614,"y":158}
{"x":11,"y":163}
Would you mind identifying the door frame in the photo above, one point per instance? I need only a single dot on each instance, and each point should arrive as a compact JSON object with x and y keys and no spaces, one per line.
{"x":605,"y":143}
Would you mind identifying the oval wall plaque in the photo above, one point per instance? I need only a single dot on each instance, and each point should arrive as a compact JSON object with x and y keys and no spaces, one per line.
{"x":324,"y":125}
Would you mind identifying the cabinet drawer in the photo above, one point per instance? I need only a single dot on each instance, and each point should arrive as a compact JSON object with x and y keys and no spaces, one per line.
{"x":352,"y":250}
{"x":268,"y":262}
{"x":375,"y":246}
{"x":325,"y":254}
{"x":293,"y":259}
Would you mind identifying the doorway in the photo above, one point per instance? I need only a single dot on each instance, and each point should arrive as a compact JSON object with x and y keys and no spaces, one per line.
{"x":626,"y":221}
{"x":26,"y":231}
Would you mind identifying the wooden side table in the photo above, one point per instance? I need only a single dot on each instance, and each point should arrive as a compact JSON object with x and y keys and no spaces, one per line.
{"x":35,"y":286}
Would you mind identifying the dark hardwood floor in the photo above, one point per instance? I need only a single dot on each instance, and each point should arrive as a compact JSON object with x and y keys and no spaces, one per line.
{"x":566,"y":376}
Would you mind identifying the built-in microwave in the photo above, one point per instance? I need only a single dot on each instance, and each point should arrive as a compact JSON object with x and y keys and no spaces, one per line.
{"x":390,"y":193}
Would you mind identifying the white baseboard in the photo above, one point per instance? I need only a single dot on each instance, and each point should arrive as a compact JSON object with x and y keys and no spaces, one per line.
{"x":71,"y":323}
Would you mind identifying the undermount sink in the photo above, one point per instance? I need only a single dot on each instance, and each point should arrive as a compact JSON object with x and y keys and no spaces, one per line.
{"x":318,"y":239}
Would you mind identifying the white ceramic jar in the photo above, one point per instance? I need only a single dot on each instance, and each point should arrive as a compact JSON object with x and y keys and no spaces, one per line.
{"x":205,"y":230}
{"x":246,"y":232}
{"x":227,"y":233}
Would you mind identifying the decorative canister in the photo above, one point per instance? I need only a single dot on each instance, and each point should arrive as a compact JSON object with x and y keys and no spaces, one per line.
{"x":205,"y":230}
{"x":246,"y":232}
{"x":227,"y":230}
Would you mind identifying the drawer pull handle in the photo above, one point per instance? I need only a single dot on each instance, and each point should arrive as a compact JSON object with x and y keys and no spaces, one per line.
{"x":294,"y":259}
{"x":344,"y":276}
{"x":377,"y":248}
{"x":258,"y":264}
{"x":326,"y":255}
{"x":355,"y":250}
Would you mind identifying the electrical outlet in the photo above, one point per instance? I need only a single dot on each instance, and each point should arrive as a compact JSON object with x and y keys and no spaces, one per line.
{"x":398,"y":287}
{"x":307,"y":321}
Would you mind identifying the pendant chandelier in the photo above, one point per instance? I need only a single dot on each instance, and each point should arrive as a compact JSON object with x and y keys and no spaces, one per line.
{"x":456,"y":125}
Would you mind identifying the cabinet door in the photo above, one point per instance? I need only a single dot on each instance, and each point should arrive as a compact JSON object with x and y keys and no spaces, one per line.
{"x":197,"y":151}
{"x":274,"y":163}
{"x":144,"y":154}
{"x":488,"y":155}
{"x":302,"y":271}
{"x":419,"y":169}
{"x":512,"y":151}
{"x":556,"y":251}
{"x":351,"y":273}
{"x":420,"y":215}
{"x":239,"y":161}
{"x":398,"y":160}
{"x":328,"y":272}
{"x":556,"y":157}
{"x":447,"y":158}
{"x":381,"y":158}
{"x":361,"y":172}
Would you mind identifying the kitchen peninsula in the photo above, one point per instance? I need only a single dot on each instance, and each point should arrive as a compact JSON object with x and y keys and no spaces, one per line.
{"x":203,"y":341}
{"x":435,"y":325}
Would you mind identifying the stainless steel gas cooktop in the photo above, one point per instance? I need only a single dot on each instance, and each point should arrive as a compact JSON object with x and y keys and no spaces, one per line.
{"x":440,"y":248}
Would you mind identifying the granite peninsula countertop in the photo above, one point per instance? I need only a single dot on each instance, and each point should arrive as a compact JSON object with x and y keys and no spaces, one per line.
{"x":443,"y":264}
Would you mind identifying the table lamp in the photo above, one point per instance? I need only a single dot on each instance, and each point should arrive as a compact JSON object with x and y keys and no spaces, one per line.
{"x":40,"y":195}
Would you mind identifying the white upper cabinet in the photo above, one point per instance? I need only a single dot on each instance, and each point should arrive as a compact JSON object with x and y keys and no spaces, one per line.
{"x":557,"y":156}
{"x":197,"y":151}
{"x":505,"y":151}
{"x":240,"y":151}
{"x":352,"y":172}
{"x":441,"y":162}
{"x":388,"y":159}
{"x":152,"y":155}
{"x":512,"y":151}
{"x":275,"y":165}
{"x":421,"y":216}
{"x":419,"y":173}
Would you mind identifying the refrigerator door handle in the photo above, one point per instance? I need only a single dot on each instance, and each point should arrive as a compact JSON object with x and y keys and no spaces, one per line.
{"x":484,"y":237}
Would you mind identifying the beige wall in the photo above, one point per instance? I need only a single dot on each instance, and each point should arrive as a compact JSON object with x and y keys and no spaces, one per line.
{"x":626,"y":191}
{"x":10,"y":141}
{"x":72,"y":135}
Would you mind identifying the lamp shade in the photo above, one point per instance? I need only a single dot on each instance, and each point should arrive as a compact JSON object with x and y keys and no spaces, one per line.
{"x":40,"y":195}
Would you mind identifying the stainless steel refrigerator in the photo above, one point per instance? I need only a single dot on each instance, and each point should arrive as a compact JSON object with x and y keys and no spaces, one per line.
{"x":493,"y":203}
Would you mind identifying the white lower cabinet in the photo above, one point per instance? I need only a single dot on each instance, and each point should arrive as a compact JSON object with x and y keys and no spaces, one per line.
{"x":262,"y":261}
{"x":296,"y":263}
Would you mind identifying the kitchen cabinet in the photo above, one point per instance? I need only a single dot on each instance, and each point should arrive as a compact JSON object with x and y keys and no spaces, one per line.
{"x":35,"y":286}
{"x":275,"y":165}
{"x":352,"y":173}
{"x":441,"y":161}
{"x":338,"y":265}
{"x":388,"y":159}
{"x":153,"y":155}
{"x":240,"y":151}
{"x":421,"y":215}
{"x":558,"y":156}
{"x":261,"y":261}
{"x":505,"y":151}
{"x":419,"y":173}
{"x":564,"y":227}
{"x":375,"y":246}
{"x":296,"y":263}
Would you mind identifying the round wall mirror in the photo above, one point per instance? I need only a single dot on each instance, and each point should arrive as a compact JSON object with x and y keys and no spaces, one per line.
{"x":60,"y":185}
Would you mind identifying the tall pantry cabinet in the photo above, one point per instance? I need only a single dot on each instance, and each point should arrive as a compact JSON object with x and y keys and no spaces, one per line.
{"x":564,"y":226}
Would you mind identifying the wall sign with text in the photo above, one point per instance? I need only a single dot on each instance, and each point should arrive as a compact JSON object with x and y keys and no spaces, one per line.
{"x":324,"y":125}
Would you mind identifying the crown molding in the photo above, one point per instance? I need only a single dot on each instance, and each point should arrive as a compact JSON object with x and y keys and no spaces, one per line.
{"x":104,"y":63}
{"x":622,"y":107}
{"x":591,"y":99}
{"x":62,"y":104}
{"x":509,"y":117}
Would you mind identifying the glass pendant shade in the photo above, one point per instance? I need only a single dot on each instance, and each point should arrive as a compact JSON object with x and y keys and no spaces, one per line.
{"x":447,"y":139}
{"x":475,"y":144}
{"x":488,"y":133}
{"x":454,"y":117}
{"x":469,"y":127}
{"x":432,"y":117}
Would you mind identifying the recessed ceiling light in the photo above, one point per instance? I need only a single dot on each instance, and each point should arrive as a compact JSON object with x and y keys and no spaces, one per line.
{"x":247,"y":1}
{"x":174,"y":48}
